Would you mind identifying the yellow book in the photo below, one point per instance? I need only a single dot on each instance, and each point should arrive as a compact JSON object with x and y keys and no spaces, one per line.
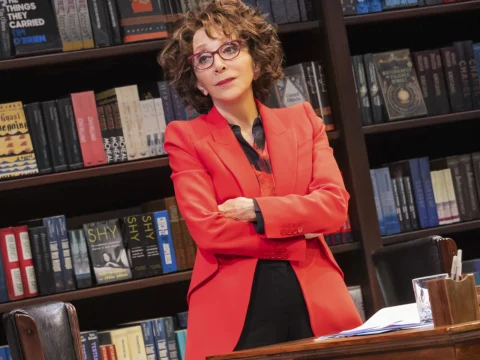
{"x":17,"y":157}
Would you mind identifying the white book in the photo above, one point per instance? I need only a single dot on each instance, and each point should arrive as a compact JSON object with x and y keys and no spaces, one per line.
{"x":150,"y":126}
{"x":162,"y":124}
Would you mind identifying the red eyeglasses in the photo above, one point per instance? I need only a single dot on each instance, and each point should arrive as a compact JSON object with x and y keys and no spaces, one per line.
{"x":227,"y":51}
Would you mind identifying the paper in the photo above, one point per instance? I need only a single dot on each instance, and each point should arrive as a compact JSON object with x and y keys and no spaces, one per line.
{"x":387,"y":319}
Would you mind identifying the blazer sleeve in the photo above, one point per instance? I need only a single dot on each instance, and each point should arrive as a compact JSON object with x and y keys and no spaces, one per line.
{"x":196,"y":200}
{"x":324,"y":209}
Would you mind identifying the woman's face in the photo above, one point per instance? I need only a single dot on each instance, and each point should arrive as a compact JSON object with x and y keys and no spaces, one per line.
{"x":225,"y":81}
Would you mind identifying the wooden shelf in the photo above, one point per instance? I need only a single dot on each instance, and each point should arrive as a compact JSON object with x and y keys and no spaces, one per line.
{"x":439,"y":230}
{"x":103,"y":170}
{"x":410,"y":13}
{"x":117,"y":50}
{"x":421,"y":122}
{"x":100,"y":290}
{"x":343,"y":248}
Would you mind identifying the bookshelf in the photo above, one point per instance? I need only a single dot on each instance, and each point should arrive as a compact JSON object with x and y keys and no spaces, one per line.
{"x":96,"y":189}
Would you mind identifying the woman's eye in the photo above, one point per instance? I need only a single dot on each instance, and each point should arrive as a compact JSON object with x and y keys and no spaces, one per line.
{"x":203,"y":59}
{"x":230,"y":49}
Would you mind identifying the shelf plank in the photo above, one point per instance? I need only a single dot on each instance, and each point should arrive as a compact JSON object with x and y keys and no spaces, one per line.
{"x":439,"y":230}
{"x":421,"y":122}
{"x":109,"y":169}
{"x":100,"y":290}
{"x":343,"y":248}
{"x":85,"y":173}
{"x":410,"y":13}
{"x":118,"y":50}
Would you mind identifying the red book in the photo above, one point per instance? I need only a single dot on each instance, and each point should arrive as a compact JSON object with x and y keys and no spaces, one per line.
{"x":88,"y":127}
{"x":25,"y":259}
{"x":112,"y":352}
{"x":104,"y":352}
{"x":347,"y":231}
{"x":11,"y":265}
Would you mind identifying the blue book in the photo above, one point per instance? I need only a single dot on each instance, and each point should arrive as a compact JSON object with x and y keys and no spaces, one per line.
{"x":428,"y":191}
{"x":4,"y":353}
{"x":149,"y":339}
{"x":476,"y":52}
{"x":160,"y":337}
{"x":56,"y":253}
{"x":181,"y":336}
{"x":376,"y":195}
{"x":374,"y":6}
{"x":418,"y":191}
{"x":387,"y":200}
{"x":165,"y":242}
{"x":363,"y":7}
{"x":65,"y":254}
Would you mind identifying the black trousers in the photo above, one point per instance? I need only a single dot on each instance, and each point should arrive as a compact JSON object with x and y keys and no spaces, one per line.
{"x":277,"y":311}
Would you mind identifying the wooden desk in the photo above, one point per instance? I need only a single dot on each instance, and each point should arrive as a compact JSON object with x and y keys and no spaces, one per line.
{"x":459,"y":342}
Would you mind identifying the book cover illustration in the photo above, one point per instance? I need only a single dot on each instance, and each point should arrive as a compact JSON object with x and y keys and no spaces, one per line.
{"x":400,"y":87}
{"x":142,"y":20}
{"x":107,"y":252}
{"x":17,"y":157}
{"x":33,"y":26}
{"x":292,"y":89}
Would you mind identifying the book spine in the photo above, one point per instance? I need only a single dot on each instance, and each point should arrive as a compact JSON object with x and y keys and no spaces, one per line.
{"x":150,"y":127}
{"x":419,"y":194}
{"x":378,"y":107}
{"x":93,"y":345}
{"x":65,"y":254}
{"x":399,"y":207}
{"x":61,"y":15}
{"x":104,"y":352}
{"x":37,"y":131}
{"x":129,"y":128}
{"x":165,"y":243}
{"x":359,"y":73}
{"x":166,"y":101}
{"x":153,"y":251}
{"x":162,"y":125}
{"x":309,"y":72}
{"x":136,"y":246}
{"x":119,"y":131}
{"x":70,"y":133}
{"x":112,"y":353}
{"x":459,"y":187}
{"x":148,"y":338}
{"x":407,"y":184}
{"x":25,"y":259}
{"x":85,"y":24}
{"x":81,"y":261}
{"x":442,"y":104}
{"x":5,"y":47}
{"x":462,"y":64}
{"x":452,"y":77}
{"x":425,"y":78}
{"x":113,"y":22}
{"x":3,"y":280}
{"x":54,"y":135}
{"x":428,"y":190}
{"x":107,"y":146}
{"x":140,"y":137}
{"x":450,"y":195}
{"x":378,"y":205}
{"x":47,"y":281}
{"x":73,"y":25}
{"x":472,"y":73}
{"x":87,"y":353}
{"x":392,"y":224}
{"x":177,"y":236}
{"x":170,"y":335}
{"x":113,"y":139}
{"x":476,"y":169}
{"x":160,"y":339}
{"x":55,"y":253}
{"x":11,"y":264}
{"x":466,"y":166}
{"x":99,"y":19}
{"x":81,"y":121}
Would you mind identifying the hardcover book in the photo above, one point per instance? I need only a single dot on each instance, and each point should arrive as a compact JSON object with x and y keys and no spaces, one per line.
{"x":33,"y":27}
{"x":17,"y":157}
{"x":107,"y":252}
{"x":398,"y":80}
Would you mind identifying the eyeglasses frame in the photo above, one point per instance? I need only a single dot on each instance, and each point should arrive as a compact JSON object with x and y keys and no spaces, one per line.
{"x":241,"y":42}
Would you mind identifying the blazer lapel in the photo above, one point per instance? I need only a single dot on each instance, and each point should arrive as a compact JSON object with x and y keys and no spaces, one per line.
{"x":282,"y":149}
{"x":227,"y":148}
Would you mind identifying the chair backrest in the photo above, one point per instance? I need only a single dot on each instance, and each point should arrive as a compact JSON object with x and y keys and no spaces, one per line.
{"x":396,"y":265}
{"x":47,"y":331}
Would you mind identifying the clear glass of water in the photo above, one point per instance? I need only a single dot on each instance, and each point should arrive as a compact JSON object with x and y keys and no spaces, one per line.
{"x":421,"y":296}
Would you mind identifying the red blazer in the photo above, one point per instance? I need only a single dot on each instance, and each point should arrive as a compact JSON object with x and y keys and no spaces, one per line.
{"x":208,"y":168}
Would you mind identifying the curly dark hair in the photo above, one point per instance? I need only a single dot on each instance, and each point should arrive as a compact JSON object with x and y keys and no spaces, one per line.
{"x":235,"y":19}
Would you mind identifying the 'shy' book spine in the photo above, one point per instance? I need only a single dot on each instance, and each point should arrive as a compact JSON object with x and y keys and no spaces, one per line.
{"x":135,"y":245}
{"x":153,"y":250}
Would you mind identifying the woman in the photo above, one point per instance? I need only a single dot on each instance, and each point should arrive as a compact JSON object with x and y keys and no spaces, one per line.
{"x":257,"y":188}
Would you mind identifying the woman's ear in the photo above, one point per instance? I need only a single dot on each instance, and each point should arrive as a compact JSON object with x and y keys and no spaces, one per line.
{"x":202,"y":89}
{"x":256,"y":71}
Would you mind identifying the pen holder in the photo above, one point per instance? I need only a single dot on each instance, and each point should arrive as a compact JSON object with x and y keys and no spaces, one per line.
{"x":453,"y":302}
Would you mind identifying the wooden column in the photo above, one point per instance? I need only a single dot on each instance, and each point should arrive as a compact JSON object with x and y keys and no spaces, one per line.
{"x":347,"y":117}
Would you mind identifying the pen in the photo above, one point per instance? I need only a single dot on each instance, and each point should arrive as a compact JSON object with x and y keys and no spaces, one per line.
{"x":453,"y":271}
{"x":459,"y":265}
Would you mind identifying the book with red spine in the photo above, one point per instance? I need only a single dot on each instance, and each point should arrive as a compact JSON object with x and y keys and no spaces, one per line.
{"x":25,"y":259}
{"x":11,"y":265}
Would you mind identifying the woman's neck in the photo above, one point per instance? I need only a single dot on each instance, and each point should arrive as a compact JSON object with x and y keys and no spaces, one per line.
{"x":242,"y":112}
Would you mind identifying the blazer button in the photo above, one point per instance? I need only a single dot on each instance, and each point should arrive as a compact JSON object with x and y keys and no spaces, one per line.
{"x":285,"y":256}
{"x":289,"y":232}
{"x":294,"y":232}
{"x":282,"y":232}
{"x":300,"y":229}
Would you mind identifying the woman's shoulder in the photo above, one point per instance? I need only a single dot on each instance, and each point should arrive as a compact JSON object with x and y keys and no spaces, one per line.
{"x":182,"y":129}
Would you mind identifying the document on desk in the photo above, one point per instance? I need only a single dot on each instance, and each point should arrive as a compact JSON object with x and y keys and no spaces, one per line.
{"x":387,"y":319}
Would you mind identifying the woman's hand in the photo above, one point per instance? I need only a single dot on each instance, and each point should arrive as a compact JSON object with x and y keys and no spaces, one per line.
{"x":240,"y":209}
